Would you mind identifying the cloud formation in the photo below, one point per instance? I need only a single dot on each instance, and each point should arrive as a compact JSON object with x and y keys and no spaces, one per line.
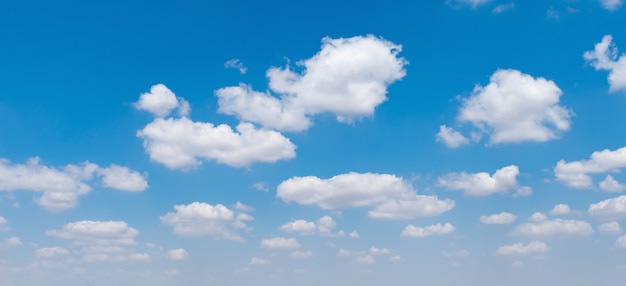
{"x":605,"y":57}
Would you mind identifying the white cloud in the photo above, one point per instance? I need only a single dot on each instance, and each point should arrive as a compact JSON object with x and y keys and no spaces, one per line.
{"x":560,"y":209}
{"x":177,"y":254}
{"x":503,"y":7}
{"x":614,"y":208}
{"x":392,"y":197}
{"x":299,"y":226}
{"x":451,"y":137}
{"x":180,"y":143}
{"x":4,"y":224}
{"x":516,"y":107}
{"x":379,"y":251}
{"x":280,"y":243}
{"x":161,"y":101}
{"x":576,"y":173}
{"x":482,"y":184}
{"x":202,"y":219}
{"x":354,"y":234}
{"x":62,"y":187}
{"x":611,"y":185}
{"x":236,"y":64}
{"x":325,"y":225}
{"x":520,"y":249}
{"x":258,"y":261}
{"x":621,"y":241}
{"x":347,"y":78}
{"x":612,"y":227}
{"x":537,"y":217}
{"x":122,"y":178}
{"x":301,"y":254}
{"x":49,"y":252}
{"x":365,"y":259}
{"x":395,"y":258}
{"x":473,"y":3}
{"x":242,"y":207}
{"x":13,"y":241}
{"x":556,"y":228}
{"x":435,"y":229}
{"x":261,"y":186}
{"x":501,"y":218}
{"x":611,"y":5}
{"x":605,"y":57}
{"x":101,"y":240}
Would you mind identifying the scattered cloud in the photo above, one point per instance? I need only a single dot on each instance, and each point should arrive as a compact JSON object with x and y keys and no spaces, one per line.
{"x":301,"y":254}
{"x":621,"y":242}
{"x":258,"y":261}
{"x":482,"y":184}
{"x":501,"y":218}
{"x":614,"y":208}
{"x":365,"y":259}
{"x":471,"y":3}
{"x":611,"y":185}
{"x":202,"y":219}
{"x":534,"y":247}
{"x":354,"y":234}
{"x":50,"y":252}
{"x":516,"y":107}
{"x":576,"y":173}
{"x":324,"y":226}
{"x":161,"y":101}
{"x":392,"y":197}
{"x":450,"y":137}
{"x":177,"y":254}
{"x":502,"y":8}
{"x":556,"y":228}
{"x":347,"y":78}
{"x":435,"y":229}
{"x":236,"y":64}
{"x":458,"y":253}
{"x":61,"y":188}
{"x":280,"y":243}
{"x":605,"y":57}
{"x":560,"y":209}
{"x":612,"y":227}
{"x":611,"y":5}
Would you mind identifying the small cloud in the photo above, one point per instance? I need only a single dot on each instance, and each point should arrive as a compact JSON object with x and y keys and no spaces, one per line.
{"x":236,"y":64}
{"x":258,"y":261}
{"x":503,"y":7}
{"x":354,"y":234}
{"x":261,"y":186}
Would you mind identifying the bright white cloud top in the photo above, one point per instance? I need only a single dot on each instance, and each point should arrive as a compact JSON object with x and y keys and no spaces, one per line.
{"x":482,"y":184}
{"x":501,"y":218}
{"x":605,"y":57}
{"x":576,"y":174}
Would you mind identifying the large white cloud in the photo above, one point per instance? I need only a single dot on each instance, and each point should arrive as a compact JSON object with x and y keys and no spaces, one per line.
{"x":181,"y":143}
{"x":605,"y":57}
{"x":348,"y":78}
{"x":482,"y":184}
{"x":392,"y":197}
{"x":520,"y":249}
{"x":202,"y":219}
{"x":99,"y":241}
{"x":576,"y":173}
{"x":61,"y":188}
{"x":161,"y":101}
{"x":516,"y":107}
{"x":501,"y":218}
{"x":556,"y":228}
{"x":614,"y":208}
{"x":421,"y":232}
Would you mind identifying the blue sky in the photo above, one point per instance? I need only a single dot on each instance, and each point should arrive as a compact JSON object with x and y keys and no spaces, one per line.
{"x":442,"y":142}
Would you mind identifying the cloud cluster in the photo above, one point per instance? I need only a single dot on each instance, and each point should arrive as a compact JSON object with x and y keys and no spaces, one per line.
{"x":576,"y":174}
{"x":605,"y":57}
{"x":348,"y":78}
{"x":97,"y":241}
{"x":202,"y":219}
{"x":391,"y":196}
{"x":61,"y":188}
{"x":514,"y":107}
{"x":482,"y":184}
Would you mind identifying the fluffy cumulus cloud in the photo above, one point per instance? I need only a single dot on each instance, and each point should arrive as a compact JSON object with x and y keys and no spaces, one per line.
{"x":280,"y":243}
{"x":180,"y":143}
{"x":451,"y":137}
{"x":605,"y":57}
{"x":161,"y":101}
{"x":612,"y":227}
{"x":324,"y":226}
{"x":516,"y":107}
{"x":534,"y":247}
{"x":611,"y":5}
{"x":576,"y":174}
{"x":609,"y":184}
{"x":177,"y":254}
{"x":61,"y":187}
{"x":614,"y":208}
{"x":391,"y":196}
{"x":482,"y":184}
{"x":556,"y":228}
{"x":98,"y":241}
{"x":421,"y":232}
{"x":501,"y":218}
{"x":347,"y":78}
{"x":560,"y":209}
{"x":202,"y":219}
